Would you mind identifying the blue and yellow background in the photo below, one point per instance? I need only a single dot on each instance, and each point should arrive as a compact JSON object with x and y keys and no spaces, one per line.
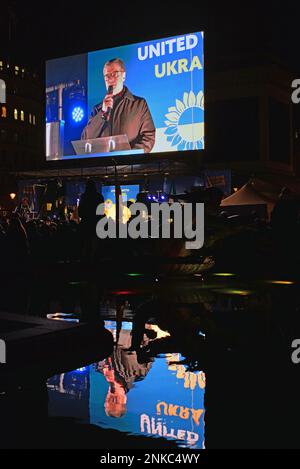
{"x":172,"y":84}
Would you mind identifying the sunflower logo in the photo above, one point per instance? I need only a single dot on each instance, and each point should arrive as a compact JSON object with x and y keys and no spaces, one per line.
{"x":185,"y":122}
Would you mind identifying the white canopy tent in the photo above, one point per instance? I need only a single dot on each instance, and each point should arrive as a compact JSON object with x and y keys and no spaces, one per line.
{"x":247,"y":199}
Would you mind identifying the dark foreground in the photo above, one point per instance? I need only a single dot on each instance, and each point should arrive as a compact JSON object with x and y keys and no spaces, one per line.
{"x":207,"y":356}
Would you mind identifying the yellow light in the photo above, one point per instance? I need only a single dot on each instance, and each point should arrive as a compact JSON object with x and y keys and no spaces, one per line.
{"x":231,"y":291}
{"x":281,"y":282}
{"x":48,"y":207}
{"x":160,"y":333}
{"x":224,"y":274}
{"x":12,"y":195}
{"x":110,"y":211}
{"x":235,"y":189}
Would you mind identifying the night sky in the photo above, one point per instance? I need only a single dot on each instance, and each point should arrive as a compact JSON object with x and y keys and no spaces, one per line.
{"x":41,"y":31}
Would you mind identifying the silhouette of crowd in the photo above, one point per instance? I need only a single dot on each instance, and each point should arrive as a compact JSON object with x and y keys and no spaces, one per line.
{"x":24,"y":240}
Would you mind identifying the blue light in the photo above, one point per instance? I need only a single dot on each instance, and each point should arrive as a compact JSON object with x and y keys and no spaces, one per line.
{"x":81,"y":370}
{"x":77,"y":114}
{"x":162,"y":197}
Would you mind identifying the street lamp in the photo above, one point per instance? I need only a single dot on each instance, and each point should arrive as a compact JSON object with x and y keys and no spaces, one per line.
{"x":12,"y":195}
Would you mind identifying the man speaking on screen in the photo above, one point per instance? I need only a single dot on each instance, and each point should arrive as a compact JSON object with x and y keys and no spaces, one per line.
{"x":121,"y":112}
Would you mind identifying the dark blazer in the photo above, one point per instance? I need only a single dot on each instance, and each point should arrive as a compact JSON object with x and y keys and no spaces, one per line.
{"x":130,"y":115}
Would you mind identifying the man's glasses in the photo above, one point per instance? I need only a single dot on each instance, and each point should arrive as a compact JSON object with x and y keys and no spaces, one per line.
{"x":115,"y":74}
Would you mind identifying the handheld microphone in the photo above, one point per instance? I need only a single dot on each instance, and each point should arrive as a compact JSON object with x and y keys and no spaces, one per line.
{"x":109,"y":109}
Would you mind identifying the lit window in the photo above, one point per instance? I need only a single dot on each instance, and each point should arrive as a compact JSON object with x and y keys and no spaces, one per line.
{"x":30,"y":120}
{"x":3,"y":111}
{"x":17,"y":70}
{"x":2,"y":91}
{"x":22,"y":116}
{"x":33,"y":119}
{"x":16,"y":114}
{"x":1,"y":65}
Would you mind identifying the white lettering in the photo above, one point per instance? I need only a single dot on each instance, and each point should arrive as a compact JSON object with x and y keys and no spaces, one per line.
{"x":138,"y":221}
{"x":169,"y":46}
{"x":170,"y":43}
{"x":296,"y":93}
{"x":158,"y":429}
{"x":140,"y":55}
{"x":137,"y":227}
{"x":180,"y":44}
{"x":154,"y":50}
{"x":192,"y":437}
{"x":145,"y":421}
{"x":181,"y":434}
{"x":296,"y":353}
{"x":111,"y":459}
{"x":2,"y":351}
{"x":190,"y":233}
{"x":191,"y":41}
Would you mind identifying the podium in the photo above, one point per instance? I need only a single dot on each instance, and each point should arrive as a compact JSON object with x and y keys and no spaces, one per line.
{"x":111,"y":144}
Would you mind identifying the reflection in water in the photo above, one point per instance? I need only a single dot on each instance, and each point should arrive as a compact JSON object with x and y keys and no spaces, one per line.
{"x":238,"y":332}
{"x":153,"y":397}
{"x":179,"y":412}
{"x":66,"y":317}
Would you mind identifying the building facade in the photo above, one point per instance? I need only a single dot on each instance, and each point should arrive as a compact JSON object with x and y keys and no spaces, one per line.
{"x":21,"y":126}
{"x":21,"y":118}
{"x":251,"y":122}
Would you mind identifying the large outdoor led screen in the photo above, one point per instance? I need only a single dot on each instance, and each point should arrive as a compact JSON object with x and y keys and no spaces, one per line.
{"x":129,"y":194}
{"x":139,"y":98}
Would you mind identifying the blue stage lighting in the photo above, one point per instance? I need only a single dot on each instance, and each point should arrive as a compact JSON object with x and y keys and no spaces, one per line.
{"x":81,"y":370}
{"x":77,"y":114}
